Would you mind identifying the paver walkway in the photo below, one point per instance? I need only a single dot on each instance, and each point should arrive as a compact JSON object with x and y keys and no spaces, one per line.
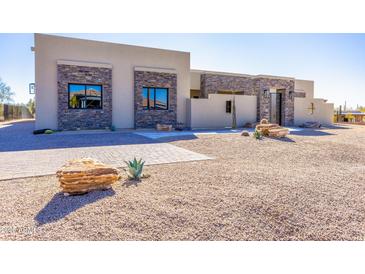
{"x":23,"y":154}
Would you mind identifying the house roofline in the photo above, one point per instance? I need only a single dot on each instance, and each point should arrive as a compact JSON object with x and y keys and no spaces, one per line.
{"x":109,"y":43}
{"x":241,"y":74}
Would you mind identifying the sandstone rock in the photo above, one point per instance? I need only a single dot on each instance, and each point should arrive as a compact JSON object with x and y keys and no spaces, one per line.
{"x":245,"y":133}
{"x":272,"y":130}
{"x":264,"y":121}
{"x":278,"y":132}
{"x":162,"y":127}
{"x":83,"y":175}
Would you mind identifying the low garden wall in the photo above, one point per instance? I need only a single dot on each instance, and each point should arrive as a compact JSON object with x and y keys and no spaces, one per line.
{"x":211,"y":112}
{"x":312,"y":110}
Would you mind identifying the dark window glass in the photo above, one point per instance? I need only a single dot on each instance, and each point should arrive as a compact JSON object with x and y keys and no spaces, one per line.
{"x":161,"y":98}
{"x":145,"y":98}
{"x":155,"y":98}
{"x":228,"y":106}
{"x":85,"y":96}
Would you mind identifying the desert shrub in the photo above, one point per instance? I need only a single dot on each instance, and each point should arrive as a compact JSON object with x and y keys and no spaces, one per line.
{"x":48,"y":131}
{"x":40,"y":131}
{"x":135,"y":169}
{"x":257,"y":134}
{"x":112,"y":128}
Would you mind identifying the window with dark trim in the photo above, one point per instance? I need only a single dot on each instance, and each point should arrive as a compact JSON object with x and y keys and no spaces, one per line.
{"x":155,"y":98}
{"x":83,"y":96}
{"x":228,"y":106}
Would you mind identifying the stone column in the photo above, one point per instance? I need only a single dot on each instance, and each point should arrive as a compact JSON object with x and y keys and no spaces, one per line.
{"x":263,"y":104}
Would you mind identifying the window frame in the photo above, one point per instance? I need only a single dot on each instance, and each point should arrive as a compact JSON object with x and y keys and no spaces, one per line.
{"x":85,"y":85}
{"x":154,"y":98}
{"x":229,"y":106}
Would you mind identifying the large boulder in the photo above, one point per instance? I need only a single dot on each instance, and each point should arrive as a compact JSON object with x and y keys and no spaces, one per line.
{"x":83,"y":175}
{"x":271,"y":130}
{"x":278,"y":132}
{"x":163,"y":127}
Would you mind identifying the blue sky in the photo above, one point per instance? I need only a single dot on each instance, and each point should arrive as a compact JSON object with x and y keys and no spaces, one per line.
{"x":336,"y":62}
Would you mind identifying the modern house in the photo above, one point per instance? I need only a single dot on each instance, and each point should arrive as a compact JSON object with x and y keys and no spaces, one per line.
{"x":82,"y":84}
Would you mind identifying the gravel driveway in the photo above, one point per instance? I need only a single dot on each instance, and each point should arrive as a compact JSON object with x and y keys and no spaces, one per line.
{"x":309,"y":186}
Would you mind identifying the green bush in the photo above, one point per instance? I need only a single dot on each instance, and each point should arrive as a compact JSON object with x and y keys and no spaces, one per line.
{"x":48,"y":131}
{"x":135,"y":169}
{"x":257,"y":134}
{"x":112,"y":128}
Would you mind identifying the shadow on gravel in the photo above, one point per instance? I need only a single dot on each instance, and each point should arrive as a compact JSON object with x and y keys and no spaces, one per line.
{"x":282,"y":139}
{"x":310,"y":132}
{"x":60,"y":206}
{"x":19,"y":137}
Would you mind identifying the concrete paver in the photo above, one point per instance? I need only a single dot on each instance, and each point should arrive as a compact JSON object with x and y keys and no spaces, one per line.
{"x":23,"y":154}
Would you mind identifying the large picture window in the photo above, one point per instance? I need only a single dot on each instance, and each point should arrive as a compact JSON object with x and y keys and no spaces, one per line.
{"x":85,"y":96}
{"x":155,"y":98}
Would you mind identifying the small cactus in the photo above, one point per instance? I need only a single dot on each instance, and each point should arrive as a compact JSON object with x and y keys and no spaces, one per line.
{"x":257,"y":134}
{"x":135,"y":169}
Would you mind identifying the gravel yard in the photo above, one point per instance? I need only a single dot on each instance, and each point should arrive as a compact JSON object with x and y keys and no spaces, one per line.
{"x":310,"y":186}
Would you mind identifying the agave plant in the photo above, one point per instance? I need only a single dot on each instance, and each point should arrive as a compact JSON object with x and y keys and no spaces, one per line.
{"x":135,"y":168}
{"x":257,"y":134}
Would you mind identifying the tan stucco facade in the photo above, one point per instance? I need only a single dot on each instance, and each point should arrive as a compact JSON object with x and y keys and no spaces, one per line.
{"x":122,"y":58}
{"x":211,"y":112}
{"x":125,"y":60}
{"x":310,"y":109}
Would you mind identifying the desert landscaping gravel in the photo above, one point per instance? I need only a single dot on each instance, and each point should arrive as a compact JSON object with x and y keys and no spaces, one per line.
{"x":309,"y":187}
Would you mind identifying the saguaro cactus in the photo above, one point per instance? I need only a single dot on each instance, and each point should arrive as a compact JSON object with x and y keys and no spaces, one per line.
{"x":234,"y":118}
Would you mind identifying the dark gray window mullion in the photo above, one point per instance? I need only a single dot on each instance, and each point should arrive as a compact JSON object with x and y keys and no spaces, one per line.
{"x":85,"y":99}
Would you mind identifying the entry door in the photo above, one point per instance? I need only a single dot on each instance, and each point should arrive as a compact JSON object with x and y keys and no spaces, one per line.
{"x":275,"y":108}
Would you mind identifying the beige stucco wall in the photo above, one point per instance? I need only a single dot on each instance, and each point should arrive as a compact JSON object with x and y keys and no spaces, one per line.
{"x":211,"y":112}
{"x":123,"y":59}
{"x":306,"y":86}
{"x":195,"y":80}
{"x":323,"y":112}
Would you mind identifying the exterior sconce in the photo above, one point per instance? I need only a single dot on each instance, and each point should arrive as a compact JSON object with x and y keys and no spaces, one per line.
{"x":291,"y":95}
{"x":266,"y":93}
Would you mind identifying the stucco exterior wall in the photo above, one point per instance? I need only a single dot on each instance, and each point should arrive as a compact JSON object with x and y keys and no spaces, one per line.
{"x":123,"y":58}
{"x":195,"y":80}
{"x":211,"y":112}
{"x":248,"y":85}
{"x":323,"y":112}
{"x":305,"y":86}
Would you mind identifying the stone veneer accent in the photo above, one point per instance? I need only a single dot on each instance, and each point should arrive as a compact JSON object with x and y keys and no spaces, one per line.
{"x":299,"y":94}
{"x":287,"y":107}
{"x":213,"y":83}
{"x":149,"y":118}
{"x":71,"y":119}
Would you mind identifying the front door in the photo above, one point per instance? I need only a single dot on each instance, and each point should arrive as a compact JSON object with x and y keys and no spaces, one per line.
{"x":275,"y":108}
